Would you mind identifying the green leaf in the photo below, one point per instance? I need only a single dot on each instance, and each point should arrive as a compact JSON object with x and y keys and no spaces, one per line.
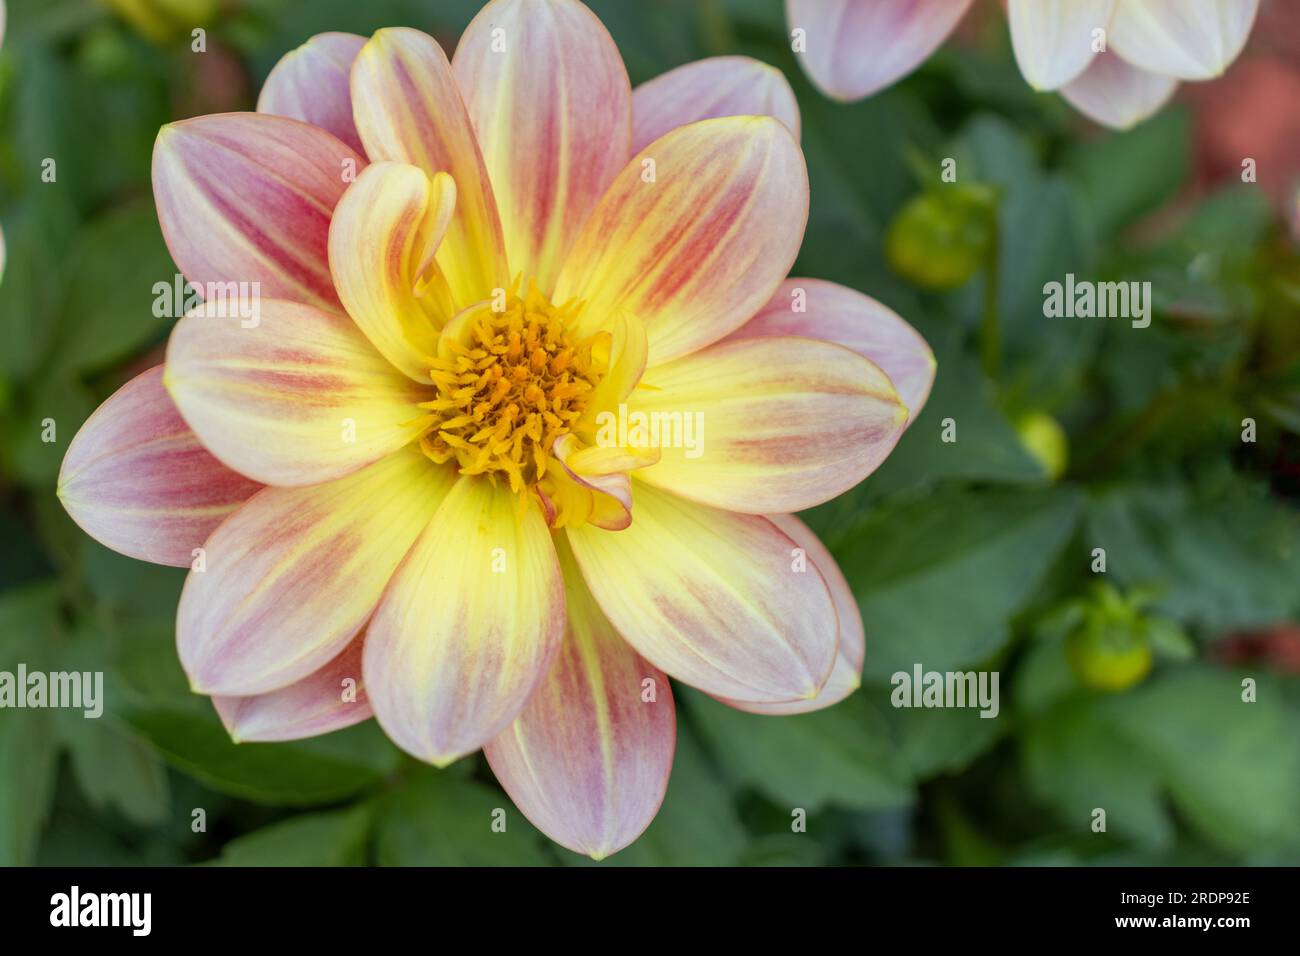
{"x":1079,"y":758}
{"x":1224,"y":556}
{"x":114,"y":768}
{"x":784,"y":849}
{"x":335,"y":838}
{"x":934,"y":741}
{"x":438,"y":819}
{"x":35,"y":234}
{"x":938,"y":578}
{"x":136,"y":590}
{"x":154,"y":700}
{"x":1043,"y":675}
{"x":301,"y":773}
{"x":28,"y":741}
{"x":1155,"y":158}
{"x":55,"y":409}
{"x":108,"y":307}
{"x":1231,"y":768}
{"x":1230,"y":223}
{"x":28,"y":759}
{"x":843,"y":755}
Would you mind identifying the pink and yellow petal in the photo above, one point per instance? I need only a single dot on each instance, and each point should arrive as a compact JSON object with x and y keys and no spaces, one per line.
{"x":299,"y":398}
{"x":853,"y":48}
{"x":311,"y":84}
{"x":694,"y":235}
{"x":1117,"y":94}
{"x":716,"y":599}
{"x":292,"y":577}
{"x":137,"y":479}
{"x":326,"y":700}
{"x":551,"y":103}
{"x":1054,"y":39}
{"x":765,"y":425}
{"x":846,"y":676}
{"x":468,"y":625}
{"x":1185,"y":39}
{"x":387,"y":226}
{"x":710,"y":88}
{"x":588,"y":758}
{"x":408,"y":109}
{"x":817,"y":309}
{"x":247,"y":198}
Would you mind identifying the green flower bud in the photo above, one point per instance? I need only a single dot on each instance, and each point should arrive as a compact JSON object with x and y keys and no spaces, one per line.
{"x":942,"y":237}
{"x":1045,"y":440}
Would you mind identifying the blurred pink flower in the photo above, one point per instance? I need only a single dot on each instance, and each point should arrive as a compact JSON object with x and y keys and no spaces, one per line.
{"x":1117,"y":61}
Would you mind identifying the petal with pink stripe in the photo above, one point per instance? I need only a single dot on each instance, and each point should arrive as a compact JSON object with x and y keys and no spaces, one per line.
{"x":709,"y":88}
{"x":818,"y":309}
{"x":468,"y":626}
{"x":588,"y":758}
{"x":137,"y":479}
{"x":247,"y":197}
{"x":387,"y":227}
{"x":716,"y":599}
{"x":765,"y":425}
{"x":299,"y":398}
{"x":551,"y":103}
{"x":329,"y":699}
{"x":846,"y":676}
{"x":694,"y":235}
{"x":291,"y":578}
{"x":408,"y":109}
{"x":311,"y":84}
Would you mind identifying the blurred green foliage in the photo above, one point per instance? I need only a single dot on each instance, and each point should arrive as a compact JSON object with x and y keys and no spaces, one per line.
{"x":962,"y":554}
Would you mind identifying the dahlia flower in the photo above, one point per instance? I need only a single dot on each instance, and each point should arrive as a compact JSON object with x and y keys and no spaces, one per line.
{"x":396,"y":475}
{"x":1116,"y":61}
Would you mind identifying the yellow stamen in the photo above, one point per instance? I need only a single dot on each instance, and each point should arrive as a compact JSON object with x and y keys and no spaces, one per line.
{"x":510,"y":383}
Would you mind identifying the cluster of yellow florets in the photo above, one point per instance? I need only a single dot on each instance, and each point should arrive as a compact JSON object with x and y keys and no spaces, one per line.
{"x":509,"y":384}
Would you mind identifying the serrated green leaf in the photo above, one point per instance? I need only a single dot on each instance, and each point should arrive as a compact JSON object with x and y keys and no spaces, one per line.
{"x":1226,"y":556}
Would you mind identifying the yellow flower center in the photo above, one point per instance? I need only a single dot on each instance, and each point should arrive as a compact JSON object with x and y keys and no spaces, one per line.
{"x":510,"y":381}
